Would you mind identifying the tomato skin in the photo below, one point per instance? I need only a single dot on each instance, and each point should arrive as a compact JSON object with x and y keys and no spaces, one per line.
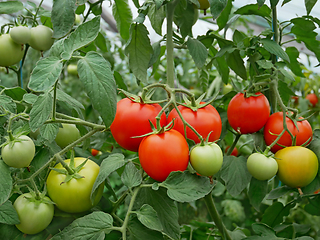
{"x":161,"y":154}
{"x":206,"y":160}
{"x":41,"y":38}
{"x":12,"y":51}
{"x":21,"y":153}
{"x":74,"y":196}
{"x":72,"y":69}
{"x":34,"y":216}
{"x":131,"y":120}
{"x":298,"y":166}
{"x":262,"y":167}
{"x":248,"y":115}
{"x":67,"y":134}
{"x":313,"y":99}
{"x":20,"y":34}
{"x":274,"y":125}
{"x":204,"y":121}
{"x":95,"y":152}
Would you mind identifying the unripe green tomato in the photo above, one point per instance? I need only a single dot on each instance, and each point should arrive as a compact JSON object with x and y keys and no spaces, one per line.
{"x":20,"y":34}
{"x":34,"y":216}
{"x":262,"y":167}
{"x":204,"y":4}
{"x":10,"y":52}
{"x":72,"y":69}
{"x":206,"y":160}
{"x":78,"y":19}
{"x":19,"y":154}
{"x":41,"y":38}
{"x":67,"y":134}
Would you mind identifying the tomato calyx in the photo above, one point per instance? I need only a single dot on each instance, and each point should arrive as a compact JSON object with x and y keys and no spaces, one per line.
{"x":70,"y":170}
{"x":38,"y":197}
{"x":12,"y":139}
{"x":143,"y":99}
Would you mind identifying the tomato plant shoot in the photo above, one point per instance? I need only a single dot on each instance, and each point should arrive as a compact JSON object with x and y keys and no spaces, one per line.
{"x":161,"y":154}
{"x":205,"y":121}
{"x":262,"y":167}
{"x":19,"y":152}
{"x":206,"y":160}
{"x":34,"y":215}
{"x":132,"y":120}
{"x":73,"y":196}
{"x":248,"y":114}
{"x":298,"y":166}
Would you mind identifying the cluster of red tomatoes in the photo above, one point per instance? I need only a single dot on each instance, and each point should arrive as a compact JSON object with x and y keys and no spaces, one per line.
{"x":12,"y":44}
{"x":168,"y":151}
{"x":162,"y":153}
{"x":296,"y":166}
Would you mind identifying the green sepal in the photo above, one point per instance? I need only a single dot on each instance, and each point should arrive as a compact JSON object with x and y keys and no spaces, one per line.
{"x":58,"y":170}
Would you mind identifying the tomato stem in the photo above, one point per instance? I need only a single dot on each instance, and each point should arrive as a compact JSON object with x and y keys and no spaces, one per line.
{"x":66,"y":166}
{"x":238,"y":135}
{"x":216,"y":216}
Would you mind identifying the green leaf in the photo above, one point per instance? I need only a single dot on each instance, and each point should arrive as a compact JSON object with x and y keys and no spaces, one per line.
{"x":139,"y":232}
{"x":274,"y":3}
{"x":279,"y":192}
{"x":197,"y":51}
{"x":235,"y":62}
{"x":30,"y":98}
{"x":108,"y":165}
{"x":263,"y":230}
{"x":260,"y":3}
{"x":313,"y":207}
{"x":119,"y":80}
{"x":285,"y":91}
{"x":45,"y":74}
{"x":309,"y":5}
{"x":57,"y":49}
{"x":274,"y":48}
{"x":10,"y":7}
{"x":7,"y":103}
{"x":184,"y":18}
{"x":257,"y":192}
{"x":123,"y":16}
{"x":285,"y":2}
{"x":235,"y":174}
{"x":131,"y":176}
{"x":217,"y":6}
{"x":62,"y":17}
{"x":40,"y":111}
{"x":186,"y":187}
{"x":149,"y":217}
{"x":6,"y":182}
{"x":82,"y":36}
{"x":96,"y":75}
{"x":157,"y":17}
{"x":8,"y":214}
{"x":165,"y":207}
{"x":294,"y":64}
{"x":16,"y":93}
{"x":274,"y":214}
{"x":73,"y":103}
{"x":265,"y":64}
{"x":224,"y":16}
{"x":49,"y":131}
{"x":139,"y":51}
{"x":254,"y":9}
{"x":91,"y":226}
{"x":101,"y":42}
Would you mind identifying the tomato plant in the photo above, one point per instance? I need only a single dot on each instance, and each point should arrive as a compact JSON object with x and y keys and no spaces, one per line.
{"x":161,"y":154}
{"x":262,"y":167}
{"x":73,"y":196}
{"x":313,"y":99}
{"x":34,"y":215}
{"x":298,"y":166}
{"x":207,"y":159}
{"x":205,"y":120}
{"x":67,"y":134}
{"x":41,"y":38}
{"x":274,"y":126}
{"x":248,"y":114}
{"x":19,"y":152}
{"x":129,"y":115}
{"x":12,"y":51}
{"x":20,"y":34}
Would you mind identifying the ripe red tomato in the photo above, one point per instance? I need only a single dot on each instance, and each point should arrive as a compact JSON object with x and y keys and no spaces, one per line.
{"x":274,"y":127}
{"x":95,"y":152}
{"x":248,"y":114}
{"x":161,"y":154}
{"x":313,"y":99}
{"x":297,"y":166}
{"x":204,"y":121}
{"x":131,"y":120}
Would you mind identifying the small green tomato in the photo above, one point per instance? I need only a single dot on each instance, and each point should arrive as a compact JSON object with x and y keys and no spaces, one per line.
{"x":262,"y":167}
